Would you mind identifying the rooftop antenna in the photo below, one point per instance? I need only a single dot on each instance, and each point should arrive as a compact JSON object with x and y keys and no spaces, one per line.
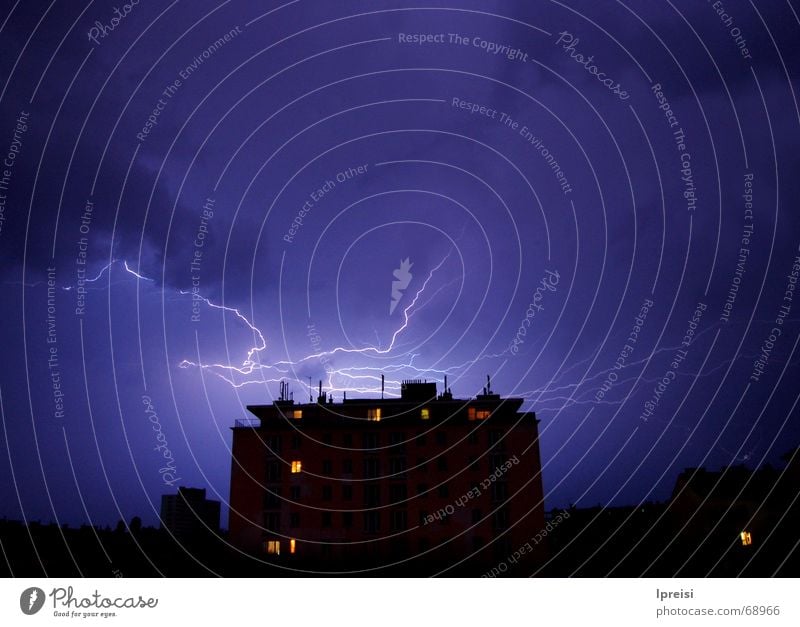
{"x":344,"y":396}
{"x":382,"y":385}
{"x":310,"y":396}
{"x":488,"y":384}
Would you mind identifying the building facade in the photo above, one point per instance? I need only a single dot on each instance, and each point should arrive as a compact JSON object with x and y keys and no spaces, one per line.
{"x":423,"y":478}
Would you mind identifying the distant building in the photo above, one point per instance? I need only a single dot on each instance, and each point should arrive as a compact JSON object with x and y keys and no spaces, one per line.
{"x":188,"y":514}
{"x":425,"y":476}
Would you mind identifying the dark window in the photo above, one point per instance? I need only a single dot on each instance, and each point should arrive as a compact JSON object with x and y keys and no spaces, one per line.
{"x":347,"y":492}
{"x":327,"y":493}
{"x":327,"y":519}
{"x":274,"y":470}
{"x":397,"y":465}
{"x":423,"y":514}
{"x":421,"y":439}
{"x":347,"y":519}
{"x":422,"y":464}
{"x":372,"y":495}
{"x":370,"y":440}
{"x":272,"y":521}
{"x":422,"y":489}
{"x":496,"y":461}
{"x":296,"y":441}
{"x":473,"y":437}
{"x":441,"y":438}
{"x":272,"y":498}
{"x":399,"y":520}
{"x":347,"y":466}
{"x":372,"y":468}
{"x":327,"y":438}
{"x":295,"y":492}
{"x":397,"y":440}
{"x":273,"y":443}
{"x":476,"y":515}
{"x":327,"y":467}
{"x":477,"y":543}
{"x":372,"y":522}
{"x":398,"y":493}
{"x":347,"y":440}
{"x":494,"y":436}
{"x":499,"y":491}
{"x":441,"y":463}
{"x":443,"y":491}
{"x":500,"y":519}
{"x":294,"y":520}
{"x":474,"y":463}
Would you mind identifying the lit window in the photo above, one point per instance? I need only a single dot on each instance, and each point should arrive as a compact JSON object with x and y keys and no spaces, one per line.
{"x":747,"y":539}
{"x":274,"y":547}
{"x":292,"y":545}
{"x":425,"y":413}
{"x":477,"y":414}
{"x":374,"y":413}
{"x":297,"y":414}
{"x":297,"y":466}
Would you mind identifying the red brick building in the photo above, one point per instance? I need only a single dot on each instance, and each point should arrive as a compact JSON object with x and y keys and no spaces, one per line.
{"x":425,"y":478}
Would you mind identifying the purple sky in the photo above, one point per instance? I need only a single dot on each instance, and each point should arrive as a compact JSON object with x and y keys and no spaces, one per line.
{"x":551,"y":171}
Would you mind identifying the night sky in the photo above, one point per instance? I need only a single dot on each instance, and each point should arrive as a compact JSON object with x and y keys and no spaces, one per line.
{"x":593,"y":202}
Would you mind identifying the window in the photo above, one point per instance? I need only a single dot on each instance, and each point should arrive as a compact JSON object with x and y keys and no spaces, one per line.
{"x":398,"y":493}
{"x":422,"y":464}
{"x":274,"y":470}
{"x":441,"y":438}
{"x":747,"y":539}
{"x":474,"y":463}
{"x":292,"y":546}
{"x":347,"y":466}
{"x":370,"y":440}
{"x":297,"y":414}
{"x":273,"y":547}
{"x":327,"y":467}
{"x":297,"y":466}
{"x":347,"y":492}
{"x":443,"y":491}
{"x":327,"y":493}
{"x":425,"y":413}
{"x":372,"y":495}
{"x":399,"y":520}
{"x":477,"y":414}
{"x":295,"y":492}
{"x":372,"y":468}
{"x":494,"y":436}
{"x":372,"y":522}
{"x":272,"y":498}
{"x":421,"y":439}
{"x":441,"y":463}
{"x":347,"y":520}
{"x":347,"y":439}
{"x":296,"y":442}
{"x":397,"y":465}
{"x":294,"y":520}
{"x":476,"y":515}
{"x":273,"y":443}
{"x":422,"y":489}
{"x":272,"y":521}
{"x":499,"y":491}
{"x":500,"y":519}
{"x":422,"y":516}
{"x":374,"y":413}
{"x":327,"y":519}
{"x":473,"y":437}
